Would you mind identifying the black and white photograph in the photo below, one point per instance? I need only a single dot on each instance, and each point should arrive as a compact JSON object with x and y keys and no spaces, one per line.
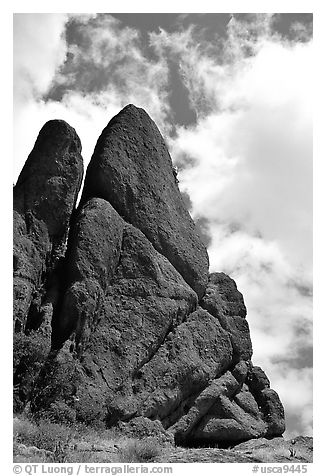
{"x":162,"y":239}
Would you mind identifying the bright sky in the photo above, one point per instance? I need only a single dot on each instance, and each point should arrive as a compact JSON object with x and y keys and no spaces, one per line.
{"x":232,"y":96}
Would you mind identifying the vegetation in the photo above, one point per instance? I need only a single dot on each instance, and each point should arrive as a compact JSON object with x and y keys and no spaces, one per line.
{"x":140,"y":451}
{"x":48,"y":440}
{"x":43,"y":441}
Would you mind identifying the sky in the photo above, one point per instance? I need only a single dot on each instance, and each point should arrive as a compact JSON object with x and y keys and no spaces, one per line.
{"x":231,"y":94}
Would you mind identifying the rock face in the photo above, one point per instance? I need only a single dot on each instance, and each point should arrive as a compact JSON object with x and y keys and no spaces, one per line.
{"x":44,"y":199}
{"x":223,"y":300}
{"x":231,"y":408}
{"x":137,"y":334}
{"x":131,"y":168}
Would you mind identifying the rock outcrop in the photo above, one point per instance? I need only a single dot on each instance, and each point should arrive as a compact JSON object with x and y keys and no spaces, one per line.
{"x":137,"y":331}
{"x":44,"y":199}
{"x":223,"y":300}
{"x":131,"y":168}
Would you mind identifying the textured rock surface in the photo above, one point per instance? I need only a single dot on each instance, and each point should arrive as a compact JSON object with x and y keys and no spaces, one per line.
{"x":268,"y":401}
{"x":132,"y":169}
{"x":141,"y":428}
{"x":239,"y":405}
{"x":44,"y":199}
{"x":118,"y":313}
{"x":223,"y":300}
{"x":92,"y":256}
{"x":131,"y":346}
{"x":192,"y":354}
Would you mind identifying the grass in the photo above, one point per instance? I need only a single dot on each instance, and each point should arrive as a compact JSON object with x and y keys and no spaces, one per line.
{"x":47,"y":436}
{"x":140,"y":451}
{"x":283,"y":452}
{"x":44,"y":441}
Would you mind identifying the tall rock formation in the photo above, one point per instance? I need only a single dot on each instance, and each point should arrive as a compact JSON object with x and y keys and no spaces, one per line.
{"x":140,"y":333}
{"x":132,"y":169}
{"x":44,"y":199}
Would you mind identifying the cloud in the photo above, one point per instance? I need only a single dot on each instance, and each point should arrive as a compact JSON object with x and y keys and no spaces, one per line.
{"x":35,"y":61}
{"x":39,"y":50}
{"x":255,"y":140}
{"x":90,"y":73}
{"x":301,"y":32}
{"x":295,"y":390}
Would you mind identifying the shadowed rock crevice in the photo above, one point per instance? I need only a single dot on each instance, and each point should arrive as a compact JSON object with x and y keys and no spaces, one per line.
{"x":92,"y":256}
{"x":117,"y":320}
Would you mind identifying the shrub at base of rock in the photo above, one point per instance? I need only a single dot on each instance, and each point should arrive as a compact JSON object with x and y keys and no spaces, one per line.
{"x":141,"y":428}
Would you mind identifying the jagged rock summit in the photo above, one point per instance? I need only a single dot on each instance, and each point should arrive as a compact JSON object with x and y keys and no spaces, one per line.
{"x":117,"y":320}
{"x":131,"y":168}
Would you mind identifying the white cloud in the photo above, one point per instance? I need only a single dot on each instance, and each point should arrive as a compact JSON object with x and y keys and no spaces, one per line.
{"x":253,"y":153}
{"x":134,"y":79}
{"x":39,"y":49}
{"x":295,"y":390}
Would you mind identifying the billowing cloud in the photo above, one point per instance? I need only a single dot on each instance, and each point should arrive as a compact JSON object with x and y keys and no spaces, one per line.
{"x":35,"y":61}
{"x":39,"y":50}
{"x":95,"y":67}
{"x":250,"y":152}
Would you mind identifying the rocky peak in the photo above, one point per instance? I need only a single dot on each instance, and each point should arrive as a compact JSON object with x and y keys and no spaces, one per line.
{"x":44,"y":199}
{"x":136,"y":329}
{"x":132,"y":169}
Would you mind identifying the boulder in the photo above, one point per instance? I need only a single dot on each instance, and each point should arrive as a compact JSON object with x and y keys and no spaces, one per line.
{"x":268,"y":400}
{"x":141,"y":428}
{"x":230,"y":410}
{"x":223,"y":300}
{"x":225,"y":385}
{"x":132,"y":169}
{"x":222,"y":297}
